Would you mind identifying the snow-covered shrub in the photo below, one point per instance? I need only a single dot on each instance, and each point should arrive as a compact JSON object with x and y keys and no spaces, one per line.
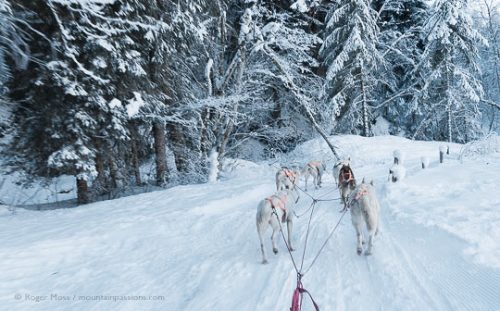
{"x":398,"y":156}
{"x":397,"y":173}
{"x":488,"y":145}
{"x":425,"y":162}
{"x":214,"y":166}
{"x":252,"y":150}
{"x":381,"y":127}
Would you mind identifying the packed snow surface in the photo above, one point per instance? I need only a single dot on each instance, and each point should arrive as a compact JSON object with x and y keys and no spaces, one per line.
{"x":196,"y":248}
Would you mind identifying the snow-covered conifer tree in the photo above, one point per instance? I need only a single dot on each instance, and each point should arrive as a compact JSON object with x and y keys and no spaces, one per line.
{"x":401,"y":45}
{"x":449,"y":103}
{"x":488,"y":17}
{"x":351,"y":58}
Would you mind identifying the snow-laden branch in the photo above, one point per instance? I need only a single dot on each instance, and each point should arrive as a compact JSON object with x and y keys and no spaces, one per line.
{"x":288,"y":80}
{"x":491,"y":103}
{"x":69,"y":52}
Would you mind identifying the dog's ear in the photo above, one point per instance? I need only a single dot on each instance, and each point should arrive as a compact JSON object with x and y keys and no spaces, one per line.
{"x":363,"y":181}
{"x":371,"y":183}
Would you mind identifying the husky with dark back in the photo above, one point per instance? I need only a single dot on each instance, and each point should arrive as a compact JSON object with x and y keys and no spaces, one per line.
{"x":345,"y":179}
{"x":337,"y":166}
{"x":282,"y":202}
{"x":364,"y":208}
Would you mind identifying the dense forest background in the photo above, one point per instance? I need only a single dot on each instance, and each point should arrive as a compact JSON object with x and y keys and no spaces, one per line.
{"x":97,"y":88}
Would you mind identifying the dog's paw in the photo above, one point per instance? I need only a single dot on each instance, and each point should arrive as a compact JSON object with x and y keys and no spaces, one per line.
{"x":265,"y":262}
{"x":359,"y":251}
{"x":275,"y":251}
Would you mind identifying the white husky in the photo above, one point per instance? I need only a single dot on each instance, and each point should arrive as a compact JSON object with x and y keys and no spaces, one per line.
{"x":316,"y":170}
{"x":365,"y":208}
{"x":282,"y":202}
{"x":286,"y":178}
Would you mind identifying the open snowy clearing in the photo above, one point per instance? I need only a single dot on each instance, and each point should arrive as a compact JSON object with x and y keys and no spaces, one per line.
{"x":196,"y":247}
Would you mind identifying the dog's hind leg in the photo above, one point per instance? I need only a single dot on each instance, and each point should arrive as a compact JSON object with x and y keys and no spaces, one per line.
{"x":275,"y":226}
{"x":273,"y":241}
{"x":289,"y":227}
{"x":371,"y":234}
{"x":297,"y":193}
{"x":317,"y":179}
{"x":320,"y":173}
{"x":261,"y":228}
{"x":372,"y":226}
{"x":359,"y":236}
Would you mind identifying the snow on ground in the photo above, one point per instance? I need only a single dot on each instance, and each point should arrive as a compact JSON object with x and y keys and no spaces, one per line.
{"x":196,"y":248}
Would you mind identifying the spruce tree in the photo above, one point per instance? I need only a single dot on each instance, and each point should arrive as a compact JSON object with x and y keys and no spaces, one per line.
{"x":449,"y":100}
{"x":401,"y":45}
{"x":351,"y":59}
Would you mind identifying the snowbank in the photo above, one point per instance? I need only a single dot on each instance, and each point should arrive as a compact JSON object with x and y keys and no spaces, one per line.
{"x":187,"y":247}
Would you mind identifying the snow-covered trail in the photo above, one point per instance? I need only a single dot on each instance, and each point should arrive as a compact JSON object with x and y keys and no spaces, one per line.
{"x":197,"y":247}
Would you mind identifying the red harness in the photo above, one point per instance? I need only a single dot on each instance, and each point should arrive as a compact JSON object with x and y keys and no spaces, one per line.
{"x":281,"y":204}
{"x":290,"y":174}
{"x":361,"y":193}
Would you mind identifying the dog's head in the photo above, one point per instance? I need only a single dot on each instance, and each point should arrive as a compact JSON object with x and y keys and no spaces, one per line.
{"x":341,"y":163}
{"x":346,"y":176}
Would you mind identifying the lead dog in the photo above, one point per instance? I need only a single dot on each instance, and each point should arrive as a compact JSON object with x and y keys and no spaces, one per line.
{"x":337,"y":166}
{"x":346,"y":181}
{"x":314,"y":169}
{"x":364,"y":208}
{"x":282,"y":202}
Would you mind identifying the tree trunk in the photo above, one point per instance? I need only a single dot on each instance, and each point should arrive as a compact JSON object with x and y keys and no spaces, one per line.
{"x":101,"y":175}
{"x":160,"y":152}
{"x":318,"y":128}
{"x":449,"y":124}
{"x":135,"y":154}
{"x":223,"y":144}
{"x":205,"y":119}
{"x":99,"y":165}
{"x":450,"y":138}
{"x":113,"y":172}
{"x":82,"y":191}
{"x":100,"y":186}
{"x":366,"y":125}
{"x":178,"y":144}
